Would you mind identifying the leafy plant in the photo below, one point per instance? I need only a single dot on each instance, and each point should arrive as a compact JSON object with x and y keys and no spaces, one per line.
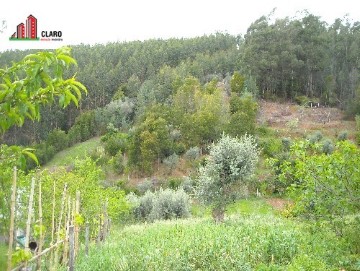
{"x":230,"y":164}
{"x":343,"y":136}
{"x":162,"y":204}
{"x":33,"y":81}
{"x":20,"y":256}
{"x":315,"y":137}
{"x":171,"y":161}
{"x":324,"y":186}
{"x":192,"y":153}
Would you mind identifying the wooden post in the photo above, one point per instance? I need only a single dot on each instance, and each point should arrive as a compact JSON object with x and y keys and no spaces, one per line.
{"x":77,"y":229}
{"x":53,"y":223}
{"x":41,"y":229}
{"x":71,"y":248}
{"x":53,"y":213}
{"x":67,"y":226}
{"x":56,"y":257}
{"x":87,"y":237}
{"x":12,"y":220}
{"x":30,"y":211}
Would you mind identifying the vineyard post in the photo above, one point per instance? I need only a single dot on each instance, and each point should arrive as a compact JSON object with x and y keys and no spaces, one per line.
{"x":59,"y":227}
{"x":87,"y":237}
{"x":30,"y":211}
{"x":71,"y":248}
{"x":66,"y":226}
{"x":40,"y":228}
{"x":77,"y":229}
{"x":53,"y":222}
{"x":12,"y":219}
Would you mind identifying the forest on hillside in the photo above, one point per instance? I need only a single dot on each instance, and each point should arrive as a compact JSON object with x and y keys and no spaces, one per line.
{"x":279,"y":59}
{"x":134,"y":132}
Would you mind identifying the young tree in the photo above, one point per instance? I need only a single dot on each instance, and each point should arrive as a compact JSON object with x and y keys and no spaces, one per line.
{"x":230,"y":164}
{"x":243,"y":111}
{"x":324,"y":186}
{"x":237,"y":83}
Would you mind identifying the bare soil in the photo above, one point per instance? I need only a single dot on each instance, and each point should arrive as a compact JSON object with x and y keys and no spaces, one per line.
{"x":296,"y":121}
{"x":278,"y":203}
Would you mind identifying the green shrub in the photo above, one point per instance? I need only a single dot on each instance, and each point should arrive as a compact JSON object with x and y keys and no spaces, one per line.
{"x":307,"y":262}
{"x":99,"y":155}
{"x":118,"y":163}
{"x":58,"y":139}
{"x":263,"y":130}
{"x":142,"y":206}
{"x":74,"y":135}
{"x":302,"y":100}
{"x":84,"y":128}
{"x":188,"y":185}
{"x":115,"y":142}
{"x":357,"y":135}
{"x":286,"y":143}
{"x":170,"y":204}
{"x":174,"y":182}
{"x":357,"y":138}
{"x":328,"y":146}
{"x":315,"y":137}
{"x":343,"y":136}
{"x":146,"y":185}
{"x":179,"y":148}
{"x":271,"y":146}
{"x":192,"y":154}
{"x":162,"y":204}
{"x":171,"y":161}
{"x":44,"y":154}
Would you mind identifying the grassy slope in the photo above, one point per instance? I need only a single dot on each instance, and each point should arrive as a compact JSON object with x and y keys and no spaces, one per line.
{"x":254,"y":237}
{"x":79,"y":150}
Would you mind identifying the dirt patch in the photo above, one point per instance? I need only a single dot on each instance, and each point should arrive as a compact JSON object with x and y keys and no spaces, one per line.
{"x":298,"y":120}
{"x":277,"y":203}
{"x":277,"y":114}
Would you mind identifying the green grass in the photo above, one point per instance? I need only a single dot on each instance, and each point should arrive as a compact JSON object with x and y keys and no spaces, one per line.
{"x":252,"y":242}
{"x":242,"y":207}
{"x":250,"y":206}
{"x":80,"y":150}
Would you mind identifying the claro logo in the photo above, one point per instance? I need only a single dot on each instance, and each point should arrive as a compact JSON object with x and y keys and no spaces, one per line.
{"x":29,"y":32}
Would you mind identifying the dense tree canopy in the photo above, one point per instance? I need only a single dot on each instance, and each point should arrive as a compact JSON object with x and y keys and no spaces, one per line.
{"x":286,"y":59}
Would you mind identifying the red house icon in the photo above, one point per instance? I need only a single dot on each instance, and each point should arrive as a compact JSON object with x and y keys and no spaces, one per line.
{"x":21,"y":31}
{"x":31,"y":27}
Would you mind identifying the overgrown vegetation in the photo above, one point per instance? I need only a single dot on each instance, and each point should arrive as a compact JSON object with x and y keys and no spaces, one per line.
{"x":173,"y":124}
{"x":251,"y":243}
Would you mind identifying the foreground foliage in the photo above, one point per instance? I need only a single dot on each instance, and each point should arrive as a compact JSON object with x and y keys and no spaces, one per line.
{"x":251,"y":243}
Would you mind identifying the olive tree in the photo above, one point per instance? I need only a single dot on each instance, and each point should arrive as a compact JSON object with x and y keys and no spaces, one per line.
{"x":228,"y":167}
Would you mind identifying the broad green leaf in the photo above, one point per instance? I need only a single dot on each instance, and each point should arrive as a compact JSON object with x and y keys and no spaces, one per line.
{"x":28,"y":152}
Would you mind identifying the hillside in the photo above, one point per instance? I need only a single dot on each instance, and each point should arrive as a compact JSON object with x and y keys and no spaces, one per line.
{"x":283,"y":119}
{"x":79,"y":150}
{"x":298,"y":121}
{"x":286,"y":118}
